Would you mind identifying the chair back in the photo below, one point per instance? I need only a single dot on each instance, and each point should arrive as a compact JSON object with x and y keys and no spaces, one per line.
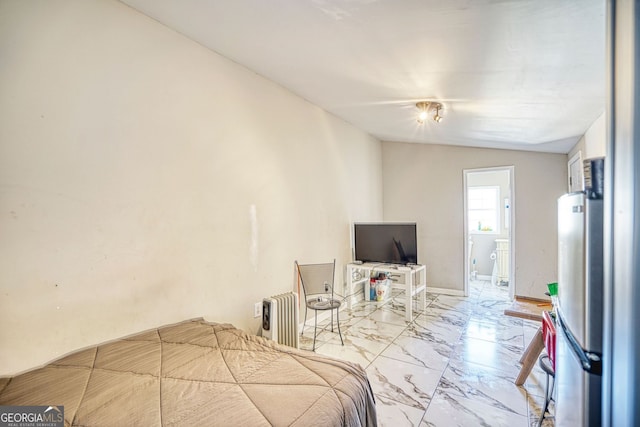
{"x":316,"y":278}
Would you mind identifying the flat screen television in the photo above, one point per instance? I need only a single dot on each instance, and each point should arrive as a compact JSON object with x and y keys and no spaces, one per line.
{"x":389,"y":243}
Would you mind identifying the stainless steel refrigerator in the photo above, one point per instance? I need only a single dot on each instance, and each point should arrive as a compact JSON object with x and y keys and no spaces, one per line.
{"x":580,"y":308}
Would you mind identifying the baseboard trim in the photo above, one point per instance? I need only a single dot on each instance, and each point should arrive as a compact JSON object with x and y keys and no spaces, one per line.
{"x":445,"y":291}
{"x":532,"y":300}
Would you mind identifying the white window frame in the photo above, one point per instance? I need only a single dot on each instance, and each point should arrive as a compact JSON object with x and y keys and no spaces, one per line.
{"x":474,"y":230}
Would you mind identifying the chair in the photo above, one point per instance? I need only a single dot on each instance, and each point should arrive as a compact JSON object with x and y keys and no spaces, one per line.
{"x":547,"y":366}
{"x":317,"y":284}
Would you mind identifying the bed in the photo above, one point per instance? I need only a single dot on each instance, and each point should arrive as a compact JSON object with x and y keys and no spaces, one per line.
{"x":197,"y":373}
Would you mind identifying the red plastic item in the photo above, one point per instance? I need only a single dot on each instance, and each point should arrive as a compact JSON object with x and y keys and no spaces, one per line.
{"x":549,"y":336}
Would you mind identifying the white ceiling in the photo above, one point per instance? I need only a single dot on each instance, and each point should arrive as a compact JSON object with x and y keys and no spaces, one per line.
{"x":518,"y":74}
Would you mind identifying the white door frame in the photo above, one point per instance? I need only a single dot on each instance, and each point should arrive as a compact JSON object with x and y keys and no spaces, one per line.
{"x":512,"y":226}
{"x":575,"y":183}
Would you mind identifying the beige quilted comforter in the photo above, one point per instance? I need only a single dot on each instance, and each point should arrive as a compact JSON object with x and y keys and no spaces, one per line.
{"x":197,"y":373}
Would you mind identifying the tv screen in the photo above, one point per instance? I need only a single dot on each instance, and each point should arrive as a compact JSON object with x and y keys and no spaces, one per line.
{"x":392,"y":243}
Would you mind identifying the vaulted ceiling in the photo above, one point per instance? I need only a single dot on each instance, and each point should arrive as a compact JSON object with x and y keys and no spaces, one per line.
{"x":516,"y":74}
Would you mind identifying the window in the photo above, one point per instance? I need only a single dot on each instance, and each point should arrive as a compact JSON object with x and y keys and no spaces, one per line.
{"x":483,"y":210}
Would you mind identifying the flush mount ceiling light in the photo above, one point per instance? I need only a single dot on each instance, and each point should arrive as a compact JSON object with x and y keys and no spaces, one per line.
{"x":425,"y":107}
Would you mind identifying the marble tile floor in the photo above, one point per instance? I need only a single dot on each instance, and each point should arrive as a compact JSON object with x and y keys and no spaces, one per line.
{"x":453,"y":365}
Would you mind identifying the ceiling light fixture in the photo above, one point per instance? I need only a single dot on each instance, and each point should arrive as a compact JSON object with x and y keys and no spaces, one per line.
{"x":424,"y":111}
{"x":438,"y":118}
{"x":424,"y":107}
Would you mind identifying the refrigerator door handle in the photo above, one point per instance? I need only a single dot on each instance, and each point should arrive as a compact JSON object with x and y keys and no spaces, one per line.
{"x":591,"y":361}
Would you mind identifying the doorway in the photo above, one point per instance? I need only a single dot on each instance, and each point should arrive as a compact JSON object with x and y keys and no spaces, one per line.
{"x":489,"y":224}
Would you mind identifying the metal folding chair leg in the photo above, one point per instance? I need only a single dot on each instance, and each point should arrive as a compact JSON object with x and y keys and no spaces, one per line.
{"x":315,"y":329}
{"x":545,"y":364}
{"x":338,"y":321}
{"x":304,"y":324}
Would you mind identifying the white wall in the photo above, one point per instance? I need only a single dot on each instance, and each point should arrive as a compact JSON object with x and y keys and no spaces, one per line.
{"x":145,"y":180}
{"x":428,"y":189}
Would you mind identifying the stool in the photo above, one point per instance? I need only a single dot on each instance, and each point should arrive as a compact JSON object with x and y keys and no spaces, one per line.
{"x":547,"y":367}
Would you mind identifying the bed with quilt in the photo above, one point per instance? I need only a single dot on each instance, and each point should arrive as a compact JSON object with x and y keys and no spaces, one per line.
{"x":197,"y":373}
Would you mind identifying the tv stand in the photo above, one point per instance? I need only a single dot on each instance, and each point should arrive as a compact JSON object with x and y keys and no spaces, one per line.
{"x":414,"y":282}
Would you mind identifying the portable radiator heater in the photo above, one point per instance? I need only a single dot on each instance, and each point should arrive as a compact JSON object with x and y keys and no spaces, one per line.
{"x":502,"y":250}
{"x":280,"y":319}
